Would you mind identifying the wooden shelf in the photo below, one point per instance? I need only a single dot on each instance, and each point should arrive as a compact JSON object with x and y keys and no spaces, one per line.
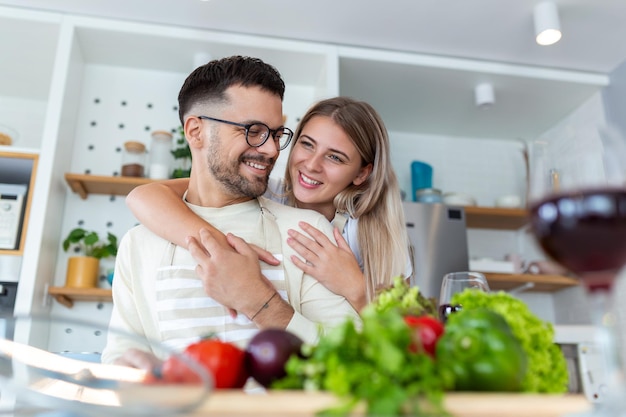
{"x":476,"y":217}
{"x":495,"y":218}
{"x":545,"y":283}
{"x":85,"y":184}
{"x":67,"y":295}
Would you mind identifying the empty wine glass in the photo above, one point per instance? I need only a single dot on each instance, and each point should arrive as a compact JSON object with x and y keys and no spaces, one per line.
{"x":578,"y":216}
{"x":455,"y":282}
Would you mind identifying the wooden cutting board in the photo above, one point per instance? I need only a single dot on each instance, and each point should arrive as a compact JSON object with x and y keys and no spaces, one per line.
{"x":300,"y":404}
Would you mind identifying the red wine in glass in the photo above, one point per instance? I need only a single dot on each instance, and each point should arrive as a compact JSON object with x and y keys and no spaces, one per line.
{"x":584,"y":231}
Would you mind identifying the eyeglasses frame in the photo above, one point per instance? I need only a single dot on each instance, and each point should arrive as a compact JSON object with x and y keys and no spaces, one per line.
{"x":273,"y":132}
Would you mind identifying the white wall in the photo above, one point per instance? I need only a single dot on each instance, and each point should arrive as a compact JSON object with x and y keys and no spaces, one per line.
{"x":483,"y":168}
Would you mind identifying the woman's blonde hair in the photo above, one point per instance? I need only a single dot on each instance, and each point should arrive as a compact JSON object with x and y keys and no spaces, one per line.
{"x":377,"y":202}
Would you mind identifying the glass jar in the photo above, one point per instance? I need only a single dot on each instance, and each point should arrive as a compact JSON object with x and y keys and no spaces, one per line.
{"x":160,"y":155}
{"x":133,"y":159}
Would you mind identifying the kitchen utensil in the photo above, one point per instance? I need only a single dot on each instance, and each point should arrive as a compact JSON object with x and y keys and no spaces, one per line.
{"x":459,"y":199}
{"x":428,"y":195}
{"x":133,"y":159}
{"x":455,"y":282}
{"x":161,"y":158}
{"x":509,"y":201}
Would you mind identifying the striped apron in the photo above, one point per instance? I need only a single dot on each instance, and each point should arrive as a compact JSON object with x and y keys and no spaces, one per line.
{"x":185,"y":312}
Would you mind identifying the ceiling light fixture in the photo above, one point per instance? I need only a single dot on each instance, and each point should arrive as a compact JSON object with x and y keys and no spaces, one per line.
{"x":547,"y":25}
{"x":484,"y":95}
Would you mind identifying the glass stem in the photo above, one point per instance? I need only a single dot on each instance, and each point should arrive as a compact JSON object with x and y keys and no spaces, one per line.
{"x":605,"y":323}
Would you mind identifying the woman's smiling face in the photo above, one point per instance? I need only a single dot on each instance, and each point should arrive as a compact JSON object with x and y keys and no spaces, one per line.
{"x":323,"y":162}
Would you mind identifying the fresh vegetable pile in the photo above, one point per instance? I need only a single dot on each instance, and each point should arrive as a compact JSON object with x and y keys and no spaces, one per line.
{"x":375,"y":365}
{"x":408,"y":301}
{"x":402,"y":360}
{"x":547,"y":368}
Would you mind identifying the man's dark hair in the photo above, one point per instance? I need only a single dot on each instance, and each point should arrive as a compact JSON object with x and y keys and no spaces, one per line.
{"x":209,"y":81}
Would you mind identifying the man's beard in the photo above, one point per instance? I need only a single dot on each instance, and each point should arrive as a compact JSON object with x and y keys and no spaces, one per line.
{"x":227,"y":173}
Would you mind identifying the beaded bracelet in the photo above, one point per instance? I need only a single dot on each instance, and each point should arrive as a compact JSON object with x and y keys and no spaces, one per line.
{"x":264,"y":306}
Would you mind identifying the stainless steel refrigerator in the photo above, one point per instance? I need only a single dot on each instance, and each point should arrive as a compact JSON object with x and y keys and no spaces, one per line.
{"x":438,"y":238}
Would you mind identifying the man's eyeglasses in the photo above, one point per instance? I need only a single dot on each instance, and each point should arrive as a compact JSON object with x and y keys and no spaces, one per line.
{"x":258,"y":133}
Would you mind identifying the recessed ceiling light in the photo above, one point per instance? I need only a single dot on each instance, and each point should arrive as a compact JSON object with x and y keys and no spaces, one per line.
{"x":484,"y":95}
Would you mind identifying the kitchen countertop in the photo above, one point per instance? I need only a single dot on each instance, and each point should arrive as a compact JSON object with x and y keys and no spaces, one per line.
{"x":236,"y":403}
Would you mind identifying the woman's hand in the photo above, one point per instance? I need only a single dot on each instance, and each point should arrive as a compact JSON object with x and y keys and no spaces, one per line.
{"x":334,"y":266}
{"x":265,"y":256}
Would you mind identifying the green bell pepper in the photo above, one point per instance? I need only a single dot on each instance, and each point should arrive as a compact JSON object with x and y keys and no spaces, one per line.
{"x":482,"y":353}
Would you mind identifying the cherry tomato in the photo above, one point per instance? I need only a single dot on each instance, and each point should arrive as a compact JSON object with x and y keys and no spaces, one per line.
{"x":223,"y":360}
{"x":426,"y":332}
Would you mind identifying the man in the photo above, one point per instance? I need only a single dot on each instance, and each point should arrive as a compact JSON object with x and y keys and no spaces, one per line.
{"x":231,"y":111}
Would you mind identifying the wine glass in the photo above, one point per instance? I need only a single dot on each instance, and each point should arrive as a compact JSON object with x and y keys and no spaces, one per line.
{"x":34,"y":380}
{"x":455,"y":282}
{"x":577,"y":204}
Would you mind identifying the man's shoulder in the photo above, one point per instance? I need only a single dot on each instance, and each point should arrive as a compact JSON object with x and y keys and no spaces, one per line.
{"x":281,"y":210}
{"x":140,"y":233}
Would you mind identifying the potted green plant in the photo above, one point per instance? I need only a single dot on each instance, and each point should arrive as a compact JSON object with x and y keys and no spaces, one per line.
{"x":182,"y":156}
{"x":83,"y":270}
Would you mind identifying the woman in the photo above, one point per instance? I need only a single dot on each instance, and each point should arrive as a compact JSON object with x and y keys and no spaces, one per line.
{"x":339,"y":165}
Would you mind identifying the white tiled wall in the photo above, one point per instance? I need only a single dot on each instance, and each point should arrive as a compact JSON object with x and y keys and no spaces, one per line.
{"x":482,"y":168}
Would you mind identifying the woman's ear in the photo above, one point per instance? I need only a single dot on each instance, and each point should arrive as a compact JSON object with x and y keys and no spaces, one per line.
{"x":193,"y":132}
{"x":363,"y":174}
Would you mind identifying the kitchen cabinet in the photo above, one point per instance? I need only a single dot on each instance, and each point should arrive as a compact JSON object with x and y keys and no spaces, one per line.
{"x":16,"y":169}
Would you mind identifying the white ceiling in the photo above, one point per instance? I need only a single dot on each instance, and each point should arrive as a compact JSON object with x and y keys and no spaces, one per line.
{"x":490,"y":32}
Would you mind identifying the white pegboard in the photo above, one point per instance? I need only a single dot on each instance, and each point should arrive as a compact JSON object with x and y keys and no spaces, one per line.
{"x":78,"y":339}
{"x":116,"y":105}
{"x":120,"y":105}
